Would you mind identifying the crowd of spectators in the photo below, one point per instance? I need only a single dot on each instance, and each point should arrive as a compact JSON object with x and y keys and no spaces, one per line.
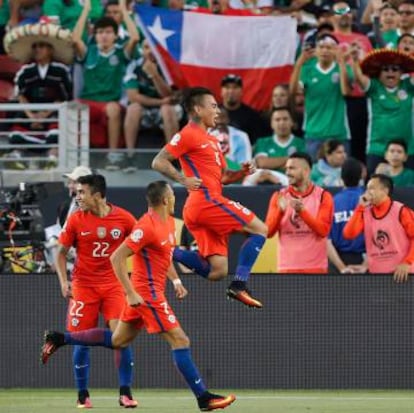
{"x":333,"y":107}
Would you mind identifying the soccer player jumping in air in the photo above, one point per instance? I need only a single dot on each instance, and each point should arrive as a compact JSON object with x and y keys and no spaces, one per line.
{"x":150,"y":243}
{"x":208,"y":215}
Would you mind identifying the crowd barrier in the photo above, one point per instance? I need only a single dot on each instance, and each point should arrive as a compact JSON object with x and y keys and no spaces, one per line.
{"x":314,"y":332}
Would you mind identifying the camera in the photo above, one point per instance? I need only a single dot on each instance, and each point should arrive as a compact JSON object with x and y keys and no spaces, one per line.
{"x":20,"y":214}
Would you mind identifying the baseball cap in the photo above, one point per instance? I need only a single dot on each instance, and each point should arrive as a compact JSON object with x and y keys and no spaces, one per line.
{"x":78,"y":172}
{"x":232,"y":78}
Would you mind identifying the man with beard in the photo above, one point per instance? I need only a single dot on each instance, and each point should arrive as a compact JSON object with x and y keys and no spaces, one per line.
{"x":302,"y":213}
{"x":390,"y":100}
{"x":388,"y":227}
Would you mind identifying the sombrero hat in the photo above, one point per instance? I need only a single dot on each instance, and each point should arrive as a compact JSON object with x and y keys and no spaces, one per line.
{"x":375,"y":60}
{"x":18,"y":41}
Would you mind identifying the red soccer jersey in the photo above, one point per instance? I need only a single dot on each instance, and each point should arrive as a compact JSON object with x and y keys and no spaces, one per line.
{"x":199,"y":155}
{"x":95,"y":239}
{"x":152,"y":241}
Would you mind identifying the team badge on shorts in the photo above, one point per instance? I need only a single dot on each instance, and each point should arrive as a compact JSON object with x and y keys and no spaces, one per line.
{"x":115,"y":233}
{"x":101,"y":232}
{"x":171,"y":318}
{"x":75,"y":322}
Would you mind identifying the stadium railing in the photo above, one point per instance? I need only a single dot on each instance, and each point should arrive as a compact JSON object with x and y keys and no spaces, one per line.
{"x":73,"y":134}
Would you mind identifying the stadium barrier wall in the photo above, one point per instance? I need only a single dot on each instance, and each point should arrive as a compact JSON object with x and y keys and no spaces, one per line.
{"x":314,"y":332}
{"x":256,"y":198}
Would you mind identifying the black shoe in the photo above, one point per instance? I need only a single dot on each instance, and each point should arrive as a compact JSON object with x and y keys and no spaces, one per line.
{"x":208,"y":401}
{"x":238,"y":291}
{"x":84,"y":401}
{"x":52,"y":340}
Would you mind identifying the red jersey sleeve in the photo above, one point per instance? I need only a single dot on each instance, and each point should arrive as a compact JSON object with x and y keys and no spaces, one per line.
{"x":180,"y":144}
{"x":142,"y":235}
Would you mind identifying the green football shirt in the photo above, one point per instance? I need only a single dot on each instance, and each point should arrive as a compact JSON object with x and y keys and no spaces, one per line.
{"x":325,"y":109}
{"x":4,"y":12}
{"x":68,"y":14}
{"x":389,"y":115}
{"x":272,"y":147}
{"x":390,"y":38}
{"x":405,"y":178}
{"x":103,"y":74}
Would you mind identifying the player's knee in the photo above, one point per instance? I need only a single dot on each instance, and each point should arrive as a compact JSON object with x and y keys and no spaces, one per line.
{"x":217,"y":274}
{"x":183,"y":341}
{"x":118,"y":341}
{"x":260,"y":228}
{"x":179,"y":340}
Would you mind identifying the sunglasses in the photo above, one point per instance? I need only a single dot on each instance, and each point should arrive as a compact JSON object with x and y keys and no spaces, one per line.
{"x":40,"y":45}
{"x":405,"y":12}
{"x":391,"y":68}
{"x":342,"y":10}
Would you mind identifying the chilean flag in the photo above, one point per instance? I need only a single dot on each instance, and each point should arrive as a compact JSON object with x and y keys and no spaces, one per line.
{"x":197,"y":49}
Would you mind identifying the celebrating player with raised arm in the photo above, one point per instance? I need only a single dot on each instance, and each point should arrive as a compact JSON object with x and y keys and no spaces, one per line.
{"x":208,"y":215}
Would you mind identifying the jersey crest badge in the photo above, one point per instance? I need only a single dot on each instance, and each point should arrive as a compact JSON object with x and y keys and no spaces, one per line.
{"x":137,"y":235}
{"x":115,"y":233}
{"x":101,"y":232}
{"x":175,"y":139}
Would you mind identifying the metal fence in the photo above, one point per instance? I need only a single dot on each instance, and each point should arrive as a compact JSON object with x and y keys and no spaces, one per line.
{"x":72,"y":128}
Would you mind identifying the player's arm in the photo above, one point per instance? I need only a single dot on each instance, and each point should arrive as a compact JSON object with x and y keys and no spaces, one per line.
{"x":131,"y":27}
{"x":60,"y":264}
{"x":119,"y":264}
{"x":321,"y":224}
{"x":77,"y":33}
{"x":228,"y":176}
{"x":180,"y":290}
{"x":277,"y":207}
{"x":163,"y":163}
{"x":336,"y":260}
{"x":403,"y":269}
{"x":355,"y":225}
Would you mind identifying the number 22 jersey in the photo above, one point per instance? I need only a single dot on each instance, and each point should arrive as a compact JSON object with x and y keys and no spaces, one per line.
{"x":95,"y":239}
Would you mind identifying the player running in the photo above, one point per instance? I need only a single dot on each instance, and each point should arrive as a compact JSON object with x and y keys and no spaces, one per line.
{"x":151,"y":244}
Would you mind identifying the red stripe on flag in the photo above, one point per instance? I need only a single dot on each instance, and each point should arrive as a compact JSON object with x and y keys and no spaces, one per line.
{"x":258,"y":84}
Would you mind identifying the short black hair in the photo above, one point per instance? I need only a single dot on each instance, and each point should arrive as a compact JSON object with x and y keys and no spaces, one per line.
{"x":194,"y":96}
{"x":111,"y":3}
{"x":351,"y":172}
{"x":325,"y":26}
{"x":105,"y":22}
{"x":328,"y":147}
{"x":280,"y":108}
{"x":385,"y":181}
{"x":302,"y":155}
{"x":96,"y":183}
{"x":155,"y":192}
{"x":400,"y":142}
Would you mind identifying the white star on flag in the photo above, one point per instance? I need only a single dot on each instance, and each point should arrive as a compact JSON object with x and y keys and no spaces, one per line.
{"x":159,"y":33}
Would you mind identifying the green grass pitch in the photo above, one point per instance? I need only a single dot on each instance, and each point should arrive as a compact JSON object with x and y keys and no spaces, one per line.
{"x":180,"y":401}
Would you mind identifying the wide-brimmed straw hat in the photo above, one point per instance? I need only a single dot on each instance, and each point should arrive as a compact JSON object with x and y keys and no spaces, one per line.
{"x":375,"y":60}
{"x":18,"y":42}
